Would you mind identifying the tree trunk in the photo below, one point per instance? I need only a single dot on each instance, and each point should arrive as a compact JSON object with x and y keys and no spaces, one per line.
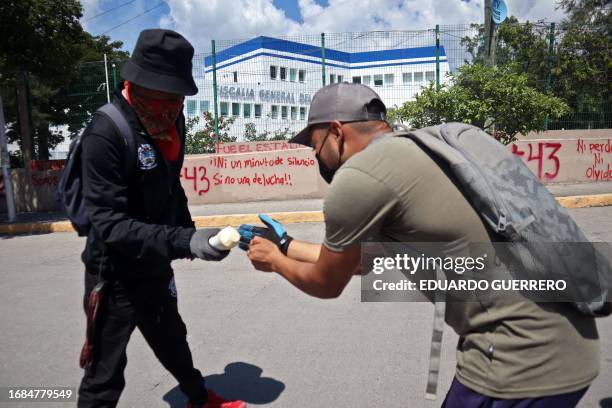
{"x":42,"y":141}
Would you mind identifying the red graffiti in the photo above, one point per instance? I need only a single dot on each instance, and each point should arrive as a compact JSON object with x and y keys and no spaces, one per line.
{"x":599,"y":174}
{"x":201,"y":183}
{"x":251,"y":147}
{"x":294,"y":161}
{"x":51,"y":180}
{"x":600,"y":169}
{"x":276,"y":179}
{"x":245,"y":171}
{"x":551,"y":148}
{"x":265,"y":162}
{"x":42,"y":165}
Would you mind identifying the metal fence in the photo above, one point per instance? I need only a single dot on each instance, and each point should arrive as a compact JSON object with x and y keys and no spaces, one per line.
{"x":261,"y":88}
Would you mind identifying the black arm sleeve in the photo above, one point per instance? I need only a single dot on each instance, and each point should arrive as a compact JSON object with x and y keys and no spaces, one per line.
{"x":106,"y":198}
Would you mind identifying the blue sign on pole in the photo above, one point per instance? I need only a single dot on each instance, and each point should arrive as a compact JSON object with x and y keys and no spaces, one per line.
{"x":499,"y":11}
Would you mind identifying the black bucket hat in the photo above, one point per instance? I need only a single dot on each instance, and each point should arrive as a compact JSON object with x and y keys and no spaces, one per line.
{"x":161,"y":61}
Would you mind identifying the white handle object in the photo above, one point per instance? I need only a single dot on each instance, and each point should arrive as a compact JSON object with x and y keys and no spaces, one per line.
{"x":225,"y":240}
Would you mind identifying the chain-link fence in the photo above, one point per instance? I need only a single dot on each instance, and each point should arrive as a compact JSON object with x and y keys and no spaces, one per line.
{"x":261,"y":88}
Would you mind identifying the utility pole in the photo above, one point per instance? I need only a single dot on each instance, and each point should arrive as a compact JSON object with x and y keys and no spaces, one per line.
{"x":490,"y":34}
{"x":23,"y":107}
{"x":106,"y":77}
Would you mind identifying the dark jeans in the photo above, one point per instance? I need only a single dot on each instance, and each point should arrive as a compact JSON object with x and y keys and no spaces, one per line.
{"x":152,"y":307}
{"x":460,"y":396}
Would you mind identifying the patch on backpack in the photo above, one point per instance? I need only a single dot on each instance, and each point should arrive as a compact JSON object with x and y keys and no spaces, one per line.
{"x":172,"y":288}
{"x":146,"y":157}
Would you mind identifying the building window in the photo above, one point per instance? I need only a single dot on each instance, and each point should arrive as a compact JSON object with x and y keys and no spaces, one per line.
{"x":293,"y":113}
{"x":204,"y":107}
{"x":339,"y":78}
{"x":224,"y":109}
{"x":418,"y":77}
{"x":302,"y":75}
{"x":235,"y":76}
{"x":332,"y":78}
{"x":274,"y":111}
{"x":407,"y":78}
{"x":191,"y":107}
{"x":292,"y":74}
{"x":284,"y":113}
{"x":257,"y":111}
{"x":246,"y":110}
{"x":357,"y":80}
{"x":235,"y":109}
{"x":388,"y":79}
{"x":302,"y":113}
{"x":283,"y":73}
{"x":430,"y":76}
{"x":366,"y":80}
{"x":272,"y":72}
{"x":378,"y":80}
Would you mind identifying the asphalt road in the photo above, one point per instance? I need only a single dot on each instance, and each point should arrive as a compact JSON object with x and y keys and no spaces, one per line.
{"x":252,"y":334}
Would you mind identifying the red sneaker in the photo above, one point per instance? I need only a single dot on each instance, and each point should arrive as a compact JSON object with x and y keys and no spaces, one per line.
{"x":215,"y":401}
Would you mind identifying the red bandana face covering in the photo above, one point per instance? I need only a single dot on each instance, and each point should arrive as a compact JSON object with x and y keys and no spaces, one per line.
{"x":158,"y":116}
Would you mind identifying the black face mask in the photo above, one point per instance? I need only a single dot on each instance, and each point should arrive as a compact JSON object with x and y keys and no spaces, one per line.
{"x":326,"y":172}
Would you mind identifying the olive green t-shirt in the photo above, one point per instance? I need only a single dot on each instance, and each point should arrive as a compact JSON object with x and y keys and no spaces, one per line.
{"x":509,"y":347}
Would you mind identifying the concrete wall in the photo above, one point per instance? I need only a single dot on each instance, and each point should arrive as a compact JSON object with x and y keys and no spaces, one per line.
{"x":39,"y":196}
{"x":279,"y":170}
{"x":568,"y":156}
{"x":273,"y":175}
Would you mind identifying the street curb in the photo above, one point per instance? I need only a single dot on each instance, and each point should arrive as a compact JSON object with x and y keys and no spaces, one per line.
{"x":585,"y":201}
{"x":294,"y":217}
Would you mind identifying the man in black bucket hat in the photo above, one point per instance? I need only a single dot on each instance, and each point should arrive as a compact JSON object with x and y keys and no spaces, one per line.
{"x":132,"y":155}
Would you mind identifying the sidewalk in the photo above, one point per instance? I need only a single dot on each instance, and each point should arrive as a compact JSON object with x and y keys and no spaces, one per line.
{"x":558,"y":190}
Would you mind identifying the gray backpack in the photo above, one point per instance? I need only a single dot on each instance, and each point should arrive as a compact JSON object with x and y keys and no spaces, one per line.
{"x":515,"y":205}
{"x":521,"y":211}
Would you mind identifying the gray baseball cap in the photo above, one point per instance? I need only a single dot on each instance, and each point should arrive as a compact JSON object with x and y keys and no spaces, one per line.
{"x":344,"y":102}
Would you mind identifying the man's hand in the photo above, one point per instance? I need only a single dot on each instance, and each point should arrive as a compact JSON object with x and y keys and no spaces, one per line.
{"x":264,"y":254}
{"x":201,"y":248}
{"x":273,"y":231}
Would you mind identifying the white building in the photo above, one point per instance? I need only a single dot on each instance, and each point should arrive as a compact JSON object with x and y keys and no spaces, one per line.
{"x":270,"y":82}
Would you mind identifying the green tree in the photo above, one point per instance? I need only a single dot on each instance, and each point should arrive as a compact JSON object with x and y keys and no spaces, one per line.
{"x":581,"y":59}
{"x":44,"y":40}
{"x":41,"y":37}
{"x":86,"y":90}
{"x":40,"y":46}
{"x":203,"y":141}
{"x":523,"y":44}
{"x":496,"y":99}
{"x":583,"y":62}
{"x":250,"y":134}
{"x":281,"y":134}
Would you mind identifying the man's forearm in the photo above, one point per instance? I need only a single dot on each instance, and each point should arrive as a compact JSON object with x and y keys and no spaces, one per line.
{"x":304,"y":276}
{"x":303,"y":251}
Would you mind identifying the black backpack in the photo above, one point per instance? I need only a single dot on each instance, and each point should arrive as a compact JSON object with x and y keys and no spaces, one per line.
{"x":69,"y":192}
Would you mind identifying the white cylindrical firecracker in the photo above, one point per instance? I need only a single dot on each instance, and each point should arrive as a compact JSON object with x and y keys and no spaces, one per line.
{"x":226,"y":239}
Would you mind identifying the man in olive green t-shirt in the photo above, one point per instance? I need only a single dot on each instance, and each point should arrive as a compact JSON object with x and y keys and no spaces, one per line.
{"x":386,"y":189}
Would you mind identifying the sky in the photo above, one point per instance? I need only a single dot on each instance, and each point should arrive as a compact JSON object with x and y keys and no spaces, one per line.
{"x":202,"y":20}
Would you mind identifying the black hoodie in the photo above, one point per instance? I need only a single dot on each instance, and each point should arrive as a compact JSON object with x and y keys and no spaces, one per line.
{"x":140,"y":224}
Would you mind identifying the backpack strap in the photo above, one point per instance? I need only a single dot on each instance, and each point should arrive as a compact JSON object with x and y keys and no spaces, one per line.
{"x":125,"y":130}
{"x":435,"y":349}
